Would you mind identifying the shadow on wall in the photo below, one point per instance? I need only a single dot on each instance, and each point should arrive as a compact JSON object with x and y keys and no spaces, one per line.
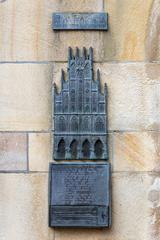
{"x":153,"y":34}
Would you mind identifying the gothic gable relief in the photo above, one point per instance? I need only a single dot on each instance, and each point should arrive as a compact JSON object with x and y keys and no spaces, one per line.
{"x":80,"y":126}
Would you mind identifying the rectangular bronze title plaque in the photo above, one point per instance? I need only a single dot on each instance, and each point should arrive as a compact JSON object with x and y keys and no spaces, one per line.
{"x":79,"y":195}
{"x":80,"y":21}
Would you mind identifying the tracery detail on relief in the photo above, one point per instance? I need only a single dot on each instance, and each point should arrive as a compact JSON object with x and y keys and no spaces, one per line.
{"x":86,"y":124}
{"x":62,"y":124}
{"x":99,"y":125}
{"x":74,"y":124}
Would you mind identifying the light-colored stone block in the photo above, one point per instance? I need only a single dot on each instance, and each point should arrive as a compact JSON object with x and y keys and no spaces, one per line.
{"x":130,"y":212}
{"x":25,"y":96}
{"x":154,"y":199}
{"x":24,"y":207}
{"x":80,"y":6}
{"x":151,"y":96}
{"x":136,"y":151}
{"x":40,"y":151}
{"x":134,"y":97}
{"x":26,"y":33}
{"x":153,"y":33}
{"x":126,"y":110}
{"x":128,"y":29}
{"x":13,"y":152}
{"x":133,"y":94}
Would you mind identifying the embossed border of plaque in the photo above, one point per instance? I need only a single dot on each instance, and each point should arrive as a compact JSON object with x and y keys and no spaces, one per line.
{"x":80,"y":195}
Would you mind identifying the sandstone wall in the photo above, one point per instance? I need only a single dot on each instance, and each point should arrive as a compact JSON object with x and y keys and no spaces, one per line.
{"x":31,"y":56}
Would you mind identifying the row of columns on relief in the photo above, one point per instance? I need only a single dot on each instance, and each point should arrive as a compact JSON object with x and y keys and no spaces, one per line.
{"x":67,"y":154}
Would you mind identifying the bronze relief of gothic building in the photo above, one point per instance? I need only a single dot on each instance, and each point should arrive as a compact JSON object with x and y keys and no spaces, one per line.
{"x":80,"y":111}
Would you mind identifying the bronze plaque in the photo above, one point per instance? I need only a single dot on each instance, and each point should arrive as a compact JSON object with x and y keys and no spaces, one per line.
{"x":79,"y":195}
{"x":80,"y":21}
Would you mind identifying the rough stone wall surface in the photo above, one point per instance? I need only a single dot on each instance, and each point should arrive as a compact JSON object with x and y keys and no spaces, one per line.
{"x":31,"y":56}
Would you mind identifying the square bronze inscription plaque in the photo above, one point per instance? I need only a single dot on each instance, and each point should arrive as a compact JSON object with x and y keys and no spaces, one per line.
{"x":80,"y":195}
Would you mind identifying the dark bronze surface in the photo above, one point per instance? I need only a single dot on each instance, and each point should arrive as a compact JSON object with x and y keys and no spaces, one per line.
{"x":80,"y":111}
{"x":80,"y":192}
{"x":80,"y":21}
{"x":79,"y":195}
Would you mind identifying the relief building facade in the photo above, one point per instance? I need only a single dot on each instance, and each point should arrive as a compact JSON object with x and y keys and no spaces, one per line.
{"x":80,"y":119}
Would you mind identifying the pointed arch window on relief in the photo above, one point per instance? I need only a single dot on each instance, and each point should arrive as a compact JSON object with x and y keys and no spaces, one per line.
{"x":62,"y":124}
{"x":86,"y":149}
{"x":98,"y":148}
{"x":74,"y":124}
{"x":73,"y":96}
{"x":65,"y":102}
{"x":61,"y":148}
{"x":86,"y":124}
{"x":87,"y":96}
{"x":99,"y":125}
{"x":73,"y":100}
{"x":87,"y":108}
{"x":73,"y":149}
